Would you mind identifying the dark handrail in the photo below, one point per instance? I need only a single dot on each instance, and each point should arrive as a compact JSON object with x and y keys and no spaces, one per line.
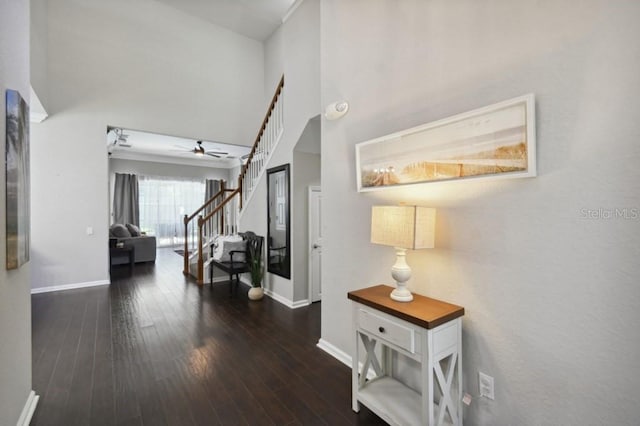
{"x":219,"y":206}
{"x":272,"y":105}
{"x":201,"y":222}
{"x":188,"y":219}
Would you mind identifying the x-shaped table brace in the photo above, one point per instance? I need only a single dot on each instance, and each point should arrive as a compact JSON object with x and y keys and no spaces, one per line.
{"x":370,"y":359}
{"x":446,"y":404}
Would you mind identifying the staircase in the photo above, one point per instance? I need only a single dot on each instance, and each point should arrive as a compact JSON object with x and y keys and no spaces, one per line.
{"x":212,"y":213}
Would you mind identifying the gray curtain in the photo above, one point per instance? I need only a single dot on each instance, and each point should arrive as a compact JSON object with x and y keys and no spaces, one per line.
{"x":211,"y":188}
{"x":126,"y":208}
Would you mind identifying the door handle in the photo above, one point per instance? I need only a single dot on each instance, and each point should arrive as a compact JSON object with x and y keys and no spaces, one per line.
{"x":315,"y":246}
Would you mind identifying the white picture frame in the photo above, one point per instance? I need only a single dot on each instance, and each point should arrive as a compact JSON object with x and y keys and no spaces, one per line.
{"x":494,"y":142}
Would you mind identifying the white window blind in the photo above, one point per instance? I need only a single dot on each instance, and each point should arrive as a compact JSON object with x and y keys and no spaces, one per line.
{"x":163,"y":204}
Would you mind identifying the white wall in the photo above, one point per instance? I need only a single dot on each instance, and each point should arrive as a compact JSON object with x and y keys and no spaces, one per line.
{"x":139,"y":65}
{"x":293,"y":51}
{"x":15,"y":300}
{"x":551,"y":297}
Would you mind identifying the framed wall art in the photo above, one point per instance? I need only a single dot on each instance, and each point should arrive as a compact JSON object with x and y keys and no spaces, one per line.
{"x":497,"y":141}
{"x":17,"y":163}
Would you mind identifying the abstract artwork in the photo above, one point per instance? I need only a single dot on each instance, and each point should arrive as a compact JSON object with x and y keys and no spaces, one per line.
{"x":17,"y":166}
{"x":494,"y":141}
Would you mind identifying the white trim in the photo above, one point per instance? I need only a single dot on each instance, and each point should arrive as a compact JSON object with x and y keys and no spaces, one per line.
{"x":292,"y":9}
{"x":286,"y":302}
{"x":300,"y":304}
{"x":275,"y":296}
{"x":342,"y":356}
{"x":311,"y":189}
{"x":28,"y":409}
{"x":283,"y":300}
{"x":332,"y":350}
{"x":69,"y":286}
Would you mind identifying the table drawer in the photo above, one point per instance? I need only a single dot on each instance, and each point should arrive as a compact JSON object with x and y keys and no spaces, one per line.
{"x":387,"y":329}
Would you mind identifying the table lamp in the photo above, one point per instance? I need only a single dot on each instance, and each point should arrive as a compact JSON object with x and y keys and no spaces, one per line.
{"x":403,"y":227}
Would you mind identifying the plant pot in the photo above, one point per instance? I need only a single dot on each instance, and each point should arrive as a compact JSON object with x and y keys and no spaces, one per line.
{"x":256,"y":293}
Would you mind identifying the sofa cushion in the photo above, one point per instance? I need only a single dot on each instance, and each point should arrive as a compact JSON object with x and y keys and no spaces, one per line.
{"x":133,"y":230}
{"x":118,"y":230}
{"x":229,"y":246}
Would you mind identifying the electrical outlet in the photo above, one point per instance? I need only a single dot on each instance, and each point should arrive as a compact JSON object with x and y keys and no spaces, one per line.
{"x":485,"y":382}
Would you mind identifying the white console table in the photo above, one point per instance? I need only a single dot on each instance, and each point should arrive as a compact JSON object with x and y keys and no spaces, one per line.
{"x":426,"y":330}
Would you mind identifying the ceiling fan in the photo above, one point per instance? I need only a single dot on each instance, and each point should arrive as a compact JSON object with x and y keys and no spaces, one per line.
{"x":200,"y":151}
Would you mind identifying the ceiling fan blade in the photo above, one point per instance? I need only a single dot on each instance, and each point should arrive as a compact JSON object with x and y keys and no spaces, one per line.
{"x":217,"y":152}
{"x":213,"y":155}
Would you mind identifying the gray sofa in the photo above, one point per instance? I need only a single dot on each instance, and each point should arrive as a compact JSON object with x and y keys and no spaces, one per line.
{"x":144,"y":245}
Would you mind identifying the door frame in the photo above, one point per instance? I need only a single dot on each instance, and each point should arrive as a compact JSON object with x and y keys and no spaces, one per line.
{"x":310,"y":190}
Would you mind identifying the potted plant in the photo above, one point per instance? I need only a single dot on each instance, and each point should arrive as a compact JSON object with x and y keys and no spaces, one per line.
{"x":256,"y":269}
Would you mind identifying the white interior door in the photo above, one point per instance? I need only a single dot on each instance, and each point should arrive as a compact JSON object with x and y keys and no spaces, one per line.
{"x":315,"y":244}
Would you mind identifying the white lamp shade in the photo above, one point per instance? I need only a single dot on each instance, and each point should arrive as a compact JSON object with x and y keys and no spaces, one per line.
{"x":408,"y":227}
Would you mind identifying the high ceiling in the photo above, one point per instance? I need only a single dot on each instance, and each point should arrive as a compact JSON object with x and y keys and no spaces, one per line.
{"x":256,"y":19}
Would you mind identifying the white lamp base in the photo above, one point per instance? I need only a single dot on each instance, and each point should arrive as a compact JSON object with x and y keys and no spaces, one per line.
{"x":401,"y":294}
{"x":401,"y":272}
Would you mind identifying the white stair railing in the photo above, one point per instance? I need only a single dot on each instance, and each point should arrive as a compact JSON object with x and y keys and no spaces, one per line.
{"x":270,"y":132}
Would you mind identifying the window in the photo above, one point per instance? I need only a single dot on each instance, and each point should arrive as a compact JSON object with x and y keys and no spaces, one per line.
{"x":163,"y":204}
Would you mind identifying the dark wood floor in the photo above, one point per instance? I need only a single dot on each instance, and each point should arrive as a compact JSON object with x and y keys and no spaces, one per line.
{"x":153,"y":349}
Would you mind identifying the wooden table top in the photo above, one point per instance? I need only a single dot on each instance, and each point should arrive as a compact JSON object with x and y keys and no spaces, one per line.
{"x":423,"y":311}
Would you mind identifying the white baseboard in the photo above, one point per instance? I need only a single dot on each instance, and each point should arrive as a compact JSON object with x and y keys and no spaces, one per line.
{"x":300,"y":304}
{"x":28,"y":409}
{"x":286,"y":302}
{"x":69,"y":286}
{"x":342,"y":356}
{"x":283,"y":300}
{"x":332,"y":350}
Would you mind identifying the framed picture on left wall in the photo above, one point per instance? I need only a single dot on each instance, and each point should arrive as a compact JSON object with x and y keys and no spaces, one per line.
{"x":18,"y":212}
